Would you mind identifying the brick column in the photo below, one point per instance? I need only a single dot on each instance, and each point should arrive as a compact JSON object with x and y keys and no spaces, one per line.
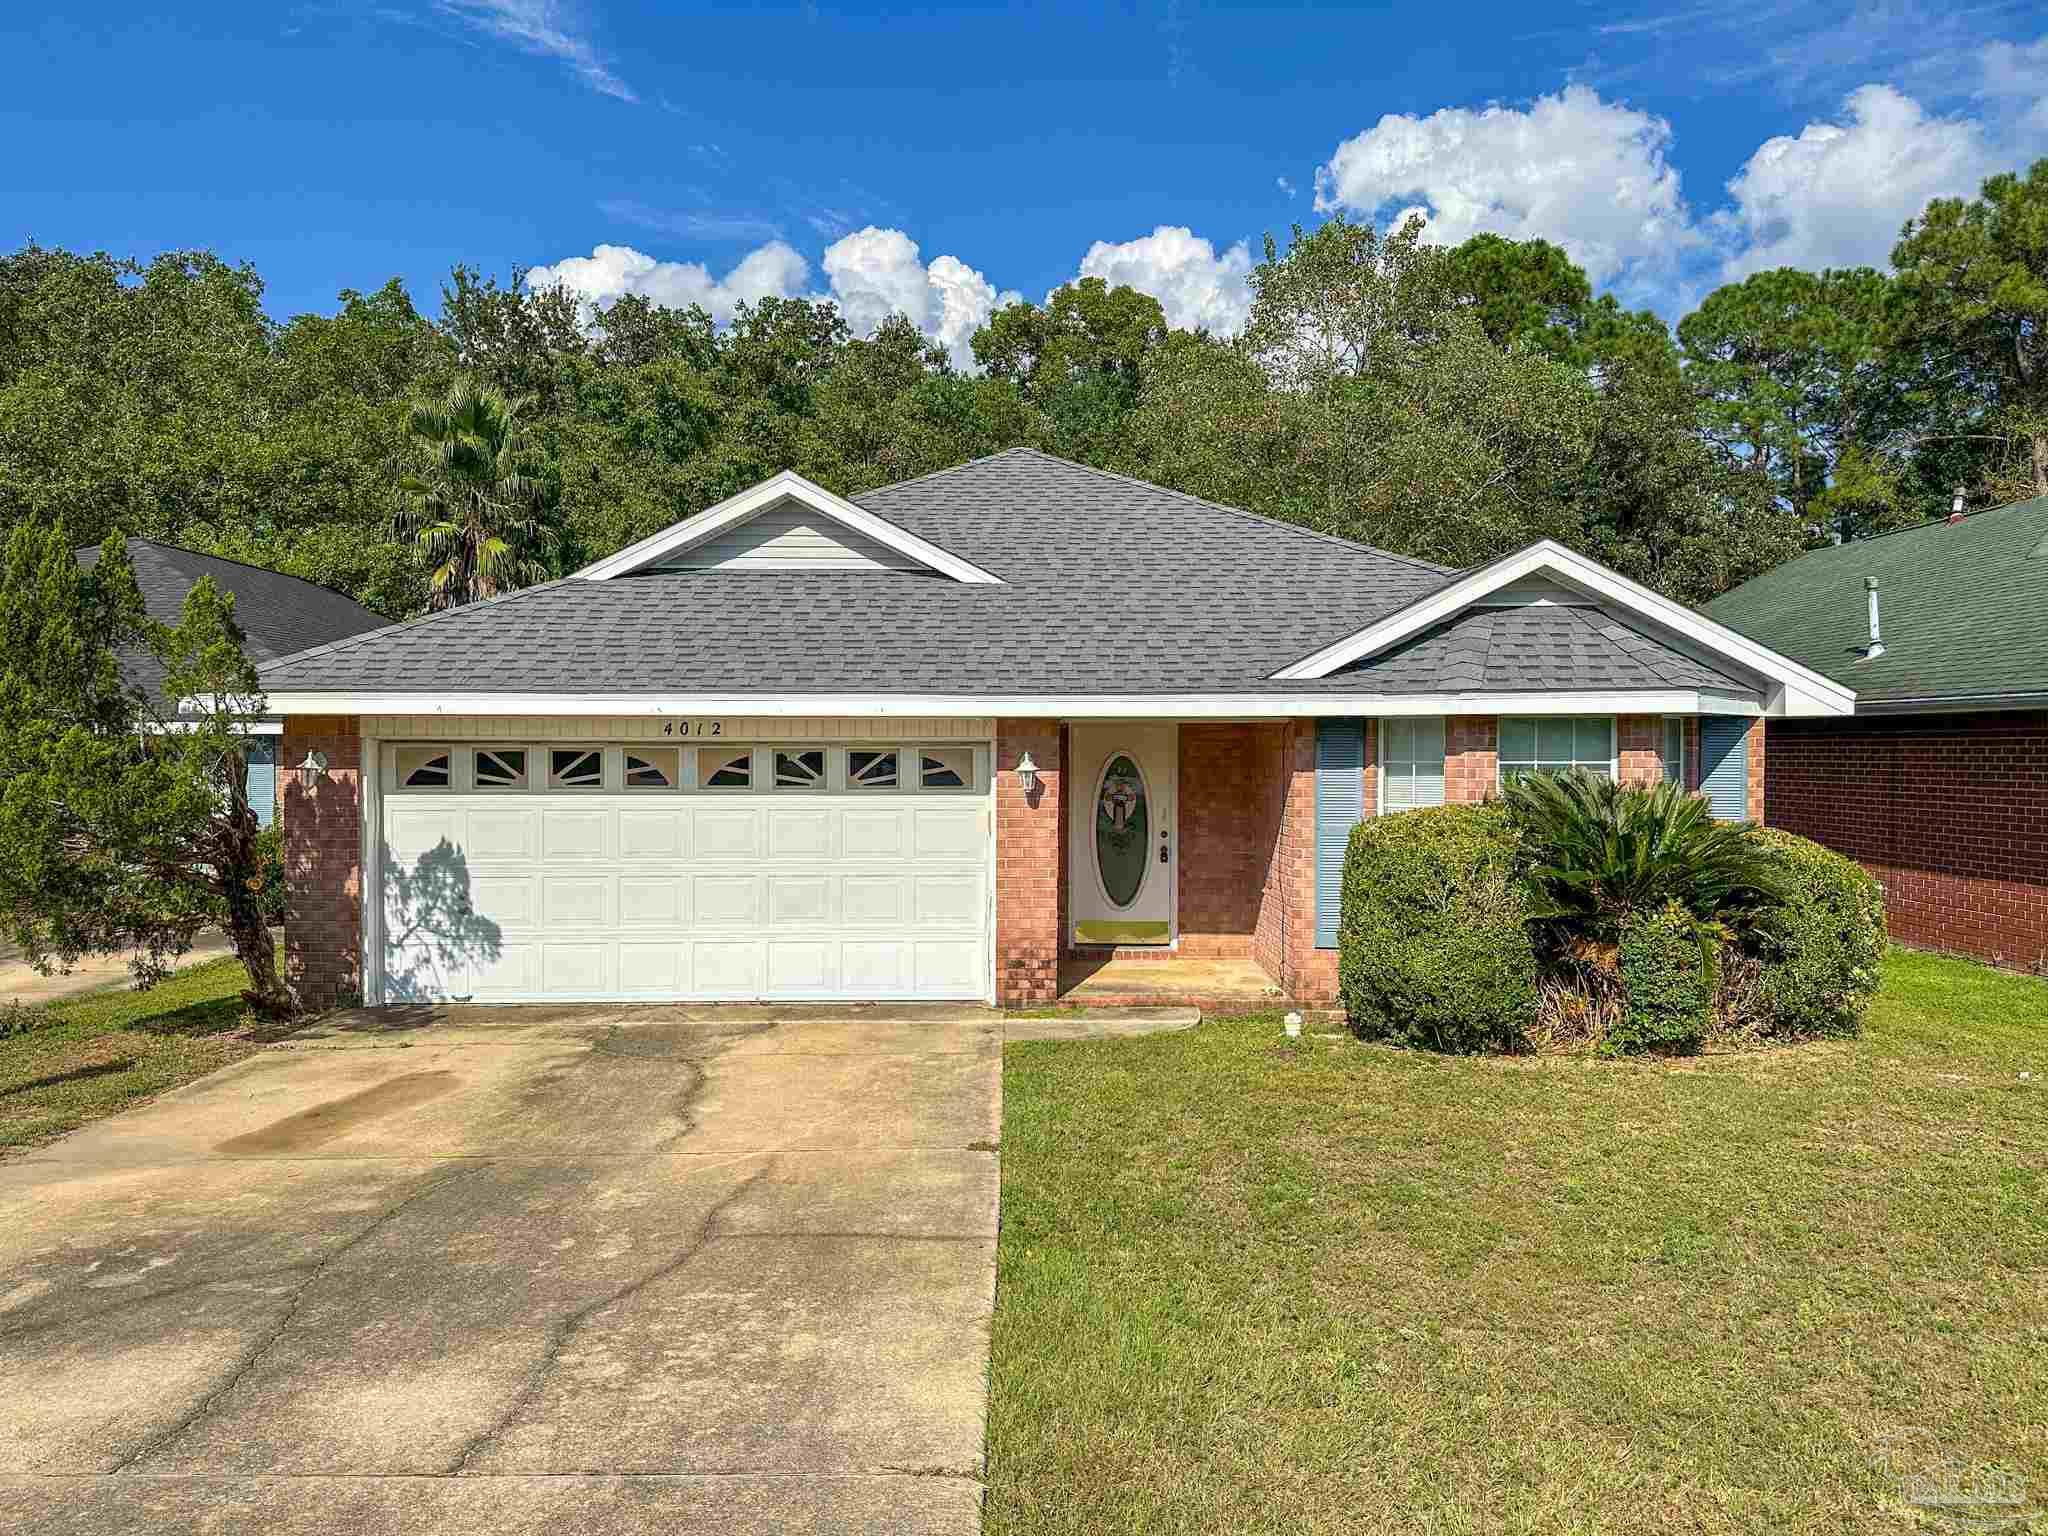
{"x":1030,"y":863}
{"x":1693,"y":769}
{"x":1638,"y":745}
{"x":323,"y":873}
{"x":1471,"y":758}
{"x":1757,"y":734}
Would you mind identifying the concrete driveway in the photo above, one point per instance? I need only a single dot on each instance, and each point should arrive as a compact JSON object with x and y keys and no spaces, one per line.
{"x":517,"y":1269}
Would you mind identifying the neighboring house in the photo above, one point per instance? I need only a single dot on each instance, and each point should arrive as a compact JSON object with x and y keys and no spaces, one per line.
{"x":928,"y":742}
{"x":1939,"y":784}
{"x":278,"y":614}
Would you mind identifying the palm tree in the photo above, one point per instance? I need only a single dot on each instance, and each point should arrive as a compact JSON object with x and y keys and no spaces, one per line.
{"x":474,"y":503}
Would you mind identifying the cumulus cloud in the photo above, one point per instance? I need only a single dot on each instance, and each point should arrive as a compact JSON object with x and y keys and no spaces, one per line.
{"x":1588,"y":174}
{"x":876,"y":273}
{"x":1835,"y":193}
{"x":612,"y":271}
{"x":1193,"y":283}
{"x":541,"y":27}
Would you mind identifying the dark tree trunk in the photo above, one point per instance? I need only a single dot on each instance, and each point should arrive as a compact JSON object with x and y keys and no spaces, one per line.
{"x":242,"y":876}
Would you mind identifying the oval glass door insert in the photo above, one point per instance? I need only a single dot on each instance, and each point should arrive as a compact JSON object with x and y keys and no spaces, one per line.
{"x":1122,"y":822}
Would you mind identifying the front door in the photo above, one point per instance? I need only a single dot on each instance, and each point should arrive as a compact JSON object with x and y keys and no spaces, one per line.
{"x":1123,"y":841}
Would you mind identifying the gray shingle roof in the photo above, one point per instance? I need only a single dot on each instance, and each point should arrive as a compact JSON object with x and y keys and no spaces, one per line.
{"x":1512,"y":650}
{"x":1962,"y":608}
{"x":279,"y":614}
{"x":1110,"y":586}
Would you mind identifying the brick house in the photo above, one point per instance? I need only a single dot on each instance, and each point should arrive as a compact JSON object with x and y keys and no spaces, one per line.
{"x":931,"y":742}
{"x":1938,"y":784}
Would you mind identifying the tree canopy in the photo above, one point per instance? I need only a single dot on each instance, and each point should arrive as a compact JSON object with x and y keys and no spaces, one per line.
{"x":1445,"y":404}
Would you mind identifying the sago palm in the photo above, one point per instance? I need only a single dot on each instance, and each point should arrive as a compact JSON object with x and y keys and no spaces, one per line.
{"x":1600,"y":850}
{"x":474,"y":502}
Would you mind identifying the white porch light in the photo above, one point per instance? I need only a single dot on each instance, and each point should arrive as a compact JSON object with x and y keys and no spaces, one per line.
{"x":1027,"y":774}
{"x":313,"y":769}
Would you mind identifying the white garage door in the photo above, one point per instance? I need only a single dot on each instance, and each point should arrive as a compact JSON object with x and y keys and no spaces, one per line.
{"x":787,"y":872}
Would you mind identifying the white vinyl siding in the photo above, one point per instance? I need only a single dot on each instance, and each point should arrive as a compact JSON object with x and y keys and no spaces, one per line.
{"x":789,"y":538}
{"x":1553,"y":744}
{"x":1411,"y":763}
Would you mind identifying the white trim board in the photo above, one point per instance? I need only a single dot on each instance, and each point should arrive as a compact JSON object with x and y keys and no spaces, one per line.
{"x":757,"y":499}
{"x":978,"y":708}
{"x":1799,"y":690}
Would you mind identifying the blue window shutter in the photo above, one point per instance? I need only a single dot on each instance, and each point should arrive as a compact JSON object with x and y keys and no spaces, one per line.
{"x":1340,"y":806}
{"x":1724,"y":765}
{"x":262,"y":755}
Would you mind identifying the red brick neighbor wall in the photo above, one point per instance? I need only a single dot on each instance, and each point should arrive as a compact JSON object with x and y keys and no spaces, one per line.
{"x":1471,"y":758}
{"x":1030,"y":863}
{"x":323,"y":860}
{"x":1949,"y":811}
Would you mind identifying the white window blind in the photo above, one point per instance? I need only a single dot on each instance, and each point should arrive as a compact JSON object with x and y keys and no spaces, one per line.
{"x":1411,"y":763}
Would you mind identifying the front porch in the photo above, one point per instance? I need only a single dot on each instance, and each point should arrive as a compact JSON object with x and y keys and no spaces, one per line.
{"x":1212,"y":983}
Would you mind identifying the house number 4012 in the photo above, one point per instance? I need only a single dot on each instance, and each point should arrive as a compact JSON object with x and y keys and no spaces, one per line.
{"x":693,"y":727}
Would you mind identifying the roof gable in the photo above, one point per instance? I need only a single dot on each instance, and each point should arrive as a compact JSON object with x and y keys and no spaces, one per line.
{"x":808,"y":529}
{"x":1547,"y":570}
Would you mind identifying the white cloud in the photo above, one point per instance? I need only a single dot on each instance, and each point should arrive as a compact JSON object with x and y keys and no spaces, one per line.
{"x":876,"y":273}
{"x":1588,"y":174}
{"x":2015,"y":86}
{"x":1193,"y":284}
{"x":612,"y":271}
{"x":1285,"y":185}
{"x":1835,"y":194}
{"x":543,"y":28}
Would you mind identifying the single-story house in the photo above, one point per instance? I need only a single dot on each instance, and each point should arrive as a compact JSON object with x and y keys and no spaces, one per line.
{"x":927,"y":742}
{"x":279,"y":615}
{"x":1938,"y":784}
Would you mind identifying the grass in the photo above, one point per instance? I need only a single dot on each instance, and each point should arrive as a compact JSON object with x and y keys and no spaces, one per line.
{"x":1248,"y":1284}
{"x":97,"y":1054}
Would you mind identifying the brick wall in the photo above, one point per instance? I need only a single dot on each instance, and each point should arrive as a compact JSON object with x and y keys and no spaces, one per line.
{"x":1471,"y":758}
{"x":1758,"y":752}
{"x":1949,"y":811}
{"x":1030,"y":863}
{"x":1229,"y":820}
{"x":1638,"y":744}
{"x":323,"y":860}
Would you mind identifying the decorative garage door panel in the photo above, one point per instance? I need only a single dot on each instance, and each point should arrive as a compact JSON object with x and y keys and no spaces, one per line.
{"x":510,"y":897}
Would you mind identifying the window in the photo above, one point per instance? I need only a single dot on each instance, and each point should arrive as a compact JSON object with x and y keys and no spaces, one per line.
{"x":500,"y":768}
{"x":423,"y":767}
{"x":652,"y":767}
{"x":1411,"y":763}
{"x":576,"y":768}
{"x":1672,"y":757}
{"x":1545,"y":744}
{"x":870,"y":769}
{"x":946,"y":767}
{"x":725,"y":767}
{"x":800,"y":770}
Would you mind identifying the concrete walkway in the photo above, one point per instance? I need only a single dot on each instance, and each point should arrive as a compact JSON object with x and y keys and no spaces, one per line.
{"x":19,"y":980}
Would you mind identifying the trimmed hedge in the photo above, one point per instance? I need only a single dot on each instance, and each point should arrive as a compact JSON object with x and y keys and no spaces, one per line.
{"x":1668,"y":976}
{"x":1434,"y":946}
{"x":1436,"y":949}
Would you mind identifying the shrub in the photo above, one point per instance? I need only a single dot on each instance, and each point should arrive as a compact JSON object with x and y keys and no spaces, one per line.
{"x":1816,"y":958}
{"x":1668,"y":970}
{"x":1435,"y":948}
{"x":270,"y":851}
{"x":18,"y":1018}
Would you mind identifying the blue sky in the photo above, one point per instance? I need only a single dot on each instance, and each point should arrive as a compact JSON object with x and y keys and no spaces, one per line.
{"x":937,"y":162}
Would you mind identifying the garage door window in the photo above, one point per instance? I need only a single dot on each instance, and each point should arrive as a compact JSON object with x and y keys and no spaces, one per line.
{"x":946,"y":767}
{"x":800,"y":770}
{"x":501,"y":768}
{"x":652,"y":768}
{"x":424,"y":768}
{"x":870,"y":769}
{"x":725,"y":768}
{"x":576,"y":768}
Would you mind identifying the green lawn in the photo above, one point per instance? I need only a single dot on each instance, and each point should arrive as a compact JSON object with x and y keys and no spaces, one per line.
{"x":1248,"y":1286}
{"x":97,"y":1054}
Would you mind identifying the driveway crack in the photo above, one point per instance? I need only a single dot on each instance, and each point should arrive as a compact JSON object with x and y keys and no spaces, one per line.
{"x":560,"y":1334}
{"x":264,"y":1345}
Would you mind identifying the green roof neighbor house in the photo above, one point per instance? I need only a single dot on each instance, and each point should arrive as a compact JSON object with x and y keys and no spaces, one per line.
{"x":1938,"y":783}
